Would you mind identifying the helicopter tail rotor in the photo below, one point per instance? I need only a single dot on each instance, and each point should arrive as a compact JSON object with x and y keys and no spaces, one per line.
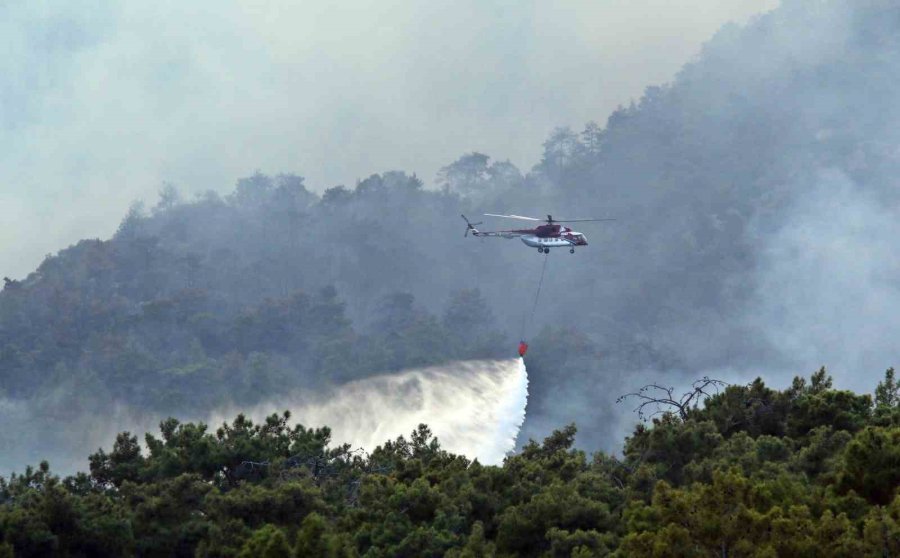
{"x":470,"y":226}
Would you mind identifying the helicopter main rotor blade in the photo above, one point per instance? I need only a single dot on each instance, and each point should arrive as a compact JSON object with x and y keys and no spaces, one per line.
{"x":520,"y":217}
{"x":579,"y":220}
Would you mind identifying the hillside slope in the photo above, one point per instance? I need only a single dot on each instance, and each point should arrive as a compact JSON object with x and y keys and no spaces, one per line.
{"x":756,"y":208}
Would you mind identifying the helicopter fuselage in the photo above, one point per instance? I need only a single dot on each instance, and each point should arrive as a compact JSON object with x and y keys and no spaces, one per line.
{"x":567,"y":239}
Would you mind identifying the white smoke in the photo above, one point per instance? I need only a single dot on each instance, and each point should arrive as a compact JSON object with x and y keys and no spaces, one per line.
{"x":827,"y":290}
{"x":475,"y":408}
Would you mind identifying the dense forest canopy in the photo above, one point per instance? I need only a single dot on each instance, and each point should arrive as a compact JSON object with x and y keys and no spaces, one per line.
{"x":756,"y":205}
{"x":752,"y":471}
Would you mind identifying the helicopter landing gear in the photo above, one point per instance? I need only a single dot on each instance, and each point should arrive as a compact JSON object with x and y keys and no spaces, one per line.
{"x":571,"y":250}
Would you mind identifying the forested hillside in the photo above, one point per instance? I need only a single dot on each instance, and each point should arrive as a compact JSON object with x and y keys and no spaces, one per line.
{"x":807,"y":471}
{"x":147,"y":324}
{"x":756,"y":208}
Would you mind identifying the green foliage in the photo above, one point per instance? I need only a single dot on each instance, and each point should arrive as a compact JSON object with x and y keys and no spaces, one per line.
{"x":887,"y":393}
{"x":841,"y":410}
{"x":887,"y":400}
{"x":671,"y":444}
{"x":881,"y":531}
{"x":312,"y":539}
{"x":752,"y":472}
{"x":551,"y":519}
{"x":754,"y":409}
{"x":733,"y":516}
{"x":266,"y":542}
{"x":822,"y":447}
{"x":871,"y":464}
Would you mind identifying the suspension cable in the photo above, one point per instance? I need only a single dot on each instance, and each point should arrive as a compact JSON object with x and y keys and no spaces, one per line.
{"x":537,"y":296}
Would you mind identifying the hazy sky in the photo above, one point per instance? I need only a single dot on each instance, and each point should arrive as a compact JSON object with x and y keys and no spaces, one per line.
{"x":101,"y":105}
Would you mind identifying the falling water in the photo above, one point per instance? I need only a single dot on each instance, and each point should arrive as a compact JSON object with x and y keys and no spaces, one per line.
{"x":474,"y":407}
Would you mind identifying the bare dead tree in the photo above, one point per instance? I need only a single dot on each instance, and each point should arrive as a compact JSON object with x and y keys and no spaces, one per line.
{"x":654,"y":399}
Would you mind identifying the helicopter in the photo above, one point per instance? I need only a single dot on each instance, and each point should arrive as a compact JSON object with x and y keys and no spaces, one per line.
{"x":549,"y":235}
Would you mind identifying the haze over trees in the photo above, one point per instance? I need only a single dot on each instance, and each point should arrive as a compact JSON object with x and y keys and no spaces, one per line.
{"x":756,"y":202}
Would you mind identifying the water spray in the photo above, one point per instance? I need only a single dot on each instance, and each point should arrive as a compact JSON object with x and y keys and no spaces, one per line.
{"x":475,"y":408}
